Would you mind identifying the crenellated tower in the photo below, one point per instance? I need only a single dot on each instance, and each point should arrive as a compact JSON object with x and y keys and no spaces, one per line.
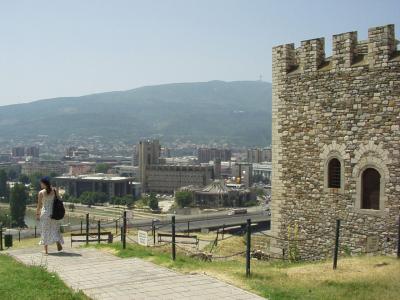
{"x":336,"y":141}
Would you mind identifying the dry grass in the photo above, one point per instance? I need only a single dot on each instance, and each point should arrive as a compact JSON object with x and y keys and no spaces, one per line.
{"x":359,"y":278}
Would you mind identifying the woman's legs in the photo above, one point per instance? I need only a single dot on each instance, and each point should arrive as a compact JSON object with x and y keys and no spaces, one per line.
{"x":59,"y":247}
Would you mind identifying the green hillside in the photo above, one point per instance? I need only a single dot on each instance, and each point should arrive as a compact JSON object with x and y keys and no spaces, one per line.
{"x":237,"y":113}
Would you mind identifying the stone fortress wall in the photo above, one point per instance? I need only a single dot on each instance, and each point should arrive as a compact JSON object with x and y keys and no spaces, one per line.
{"x":347,"y":107}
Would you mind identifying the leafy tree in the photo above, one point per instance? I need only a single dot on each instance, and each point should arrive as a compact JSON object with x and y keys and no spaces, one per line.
{"x":4,"y":217}
{"x":3,"y":186}
{"x":35,"y":181}
{"x":18,"y":199}
{"x":71,"y":206}
{"x":153,"y":202}
{"x":125,"y":200}
{"x":91,"y":198}
{"x":23,"y":178}
{"x":102,"y":168}
{"x":116,"y":200}
{"x":129,"y":201}
{"x":54,"y":174}
{"x":183,"y":198}
{"x":32,"y":197}
{"x":12,"y":174}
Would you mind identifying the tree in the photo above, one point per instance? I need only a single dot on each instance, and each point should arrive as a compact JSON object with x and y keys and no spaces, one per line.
{"x":129,"y":201}
{"x":153,"y":202}
{"x":183,"y":198}
{"x":3,"y":186}
{"x":32,"y":197}
{"x":71,"y":206}
{"x":23,"y":178}
{"x":18,"y":199}
{"x":91,"y":198}
{"x":102,"y":168}
{"x":35,"y":181}
{"x":4,"y":219}
{"x":12,"y":174}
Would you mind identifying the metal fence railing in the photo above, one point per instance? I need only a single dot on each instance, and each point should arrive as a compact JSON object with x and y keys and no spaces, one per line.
{"x":167,"y":234}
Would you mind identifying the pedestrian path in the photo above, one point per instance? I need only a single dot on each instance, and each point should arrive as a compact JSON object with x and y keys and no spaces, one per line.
{"x":101,"y":275}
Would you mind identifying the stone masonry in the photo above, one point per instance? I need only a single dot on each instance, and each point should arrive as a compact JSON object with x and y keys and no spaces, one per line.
{"x":346,"y":106}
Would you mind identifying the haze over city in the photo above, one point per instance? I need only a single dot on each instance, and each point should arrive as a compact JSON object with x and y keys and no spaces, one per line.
{"x":55,"y":48}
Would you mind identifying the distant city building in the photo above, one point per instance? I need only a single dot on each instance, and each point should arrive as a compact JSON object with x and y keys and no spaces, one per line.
{"x":258,"y":155}
{"x":149,"y":154}
{"x":43,"y":167}
{"x":168,"y":178}
{"x":226,"y":170}
{"x":109,"y":184}
{"x":135,"y":156}
{"x":165,"y":152}
{"x":243,"y":173}
{"x":263,"y":170}
{"x":125,"y":171}
{"x":18,"y":151}
{"x":77,"y":152}
{"x":70,"y":151}
{"x":217,"y":169}
{"x":205,"y":155}
{"x":218,"y":194}
{"x":157,"y":176}
{"x":5,"y":157}
{"x":32,"y":151}
{"x":81,"y":168}
{"x":184,"y":160}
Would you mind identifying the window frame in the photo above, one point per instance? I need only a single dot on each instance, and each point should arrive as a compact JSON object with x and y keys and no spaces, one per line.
{"x":330,"y":178}
{"x":358,"y":194}
{"x":328,"y":158}
{"x":362,"y":200}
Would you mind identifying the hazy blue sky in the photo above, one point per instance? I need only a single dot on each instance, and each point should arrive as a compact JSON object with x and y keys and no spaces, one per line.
{"x":70,"y":48}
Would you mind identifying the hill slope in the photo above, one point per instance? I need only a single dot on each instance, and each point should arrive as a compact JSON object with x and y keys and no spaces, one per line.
{"x":237,"y":113}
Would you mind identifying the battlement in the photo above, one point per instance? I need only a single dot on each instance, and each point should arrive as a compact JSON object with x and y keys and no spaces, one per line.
{"x":347,"y":52}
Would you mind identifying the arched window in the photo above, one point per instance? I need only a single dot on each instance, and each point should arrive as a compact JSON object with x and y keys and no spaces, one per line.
{"x":370,"y":189}
{"x":334,"y":173}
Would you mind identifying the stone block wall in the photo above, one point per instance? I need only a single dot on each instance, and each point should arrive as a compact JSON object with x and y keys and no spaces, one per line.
{"x":345,"y":106}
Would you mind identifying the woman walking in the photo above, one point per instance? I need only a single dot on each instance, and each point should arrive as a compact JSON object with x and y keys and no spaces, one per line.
{"x":50,"y":228}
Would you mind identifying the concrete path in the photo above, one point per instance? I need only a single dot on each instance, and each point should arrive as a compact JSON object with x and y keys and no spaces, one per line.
{"x":102,"y":275}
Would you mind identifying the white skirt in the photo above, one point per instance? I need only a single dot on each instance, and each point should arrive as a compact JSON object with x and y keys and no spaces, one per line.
{"x":50,"y":231}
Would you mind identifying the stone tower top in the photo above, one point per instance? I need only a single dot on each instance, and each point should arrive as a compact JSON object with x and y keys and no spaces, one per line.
{"x":348,"y":52}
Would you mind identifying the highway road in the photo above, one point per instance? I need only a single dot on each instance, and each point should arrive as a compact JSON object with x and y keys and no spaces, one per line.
{"x":209,"y":221}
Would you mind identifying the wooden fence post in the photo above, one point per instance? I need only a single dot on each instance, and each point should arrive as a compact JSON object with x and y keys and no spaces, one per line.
{"x":153,"y":232}
{"x":124,"y":238}
{"x":248,"y":247}
{"x":336,"y":250}
{"x":87,"y":229}
{"x":1,"y":237}
{"x":98,"y":231}
{"x":173,"y":239}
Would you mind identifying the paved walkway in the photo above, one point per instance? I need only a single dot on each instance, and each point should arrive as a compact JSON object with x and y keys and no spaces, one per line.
{"x":102,"y":275}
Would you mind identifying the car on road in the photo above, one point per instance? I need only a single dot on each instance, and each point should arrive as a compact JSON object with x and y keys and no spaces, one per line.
{"x":237,"y":211}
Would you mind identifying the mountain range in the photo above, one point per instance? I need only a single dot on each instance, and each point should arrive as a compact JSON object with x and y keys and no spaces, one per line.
{"x":231,"y":113}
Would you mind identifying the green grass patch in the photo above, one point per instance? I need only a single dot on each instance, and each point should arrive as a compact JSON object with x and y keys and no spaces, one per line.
{"x":18,"y":281}
{"x":358,"y":278}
